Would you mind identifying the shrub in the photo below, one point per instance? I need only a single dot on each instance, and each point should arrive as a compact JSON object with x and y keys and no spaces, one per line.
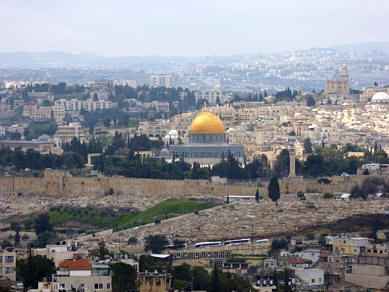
{"x":309,"y":190}
{"x":310,"y":236}
{"x":324,"y":181}
{"x":157,"y":221}
{"x":328,"y":196}
{"x":132,"y":240}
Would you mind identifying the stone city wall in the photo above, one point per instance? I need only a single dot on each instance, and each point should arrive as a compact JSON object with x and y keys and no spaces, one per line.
{"x":59,"y":182}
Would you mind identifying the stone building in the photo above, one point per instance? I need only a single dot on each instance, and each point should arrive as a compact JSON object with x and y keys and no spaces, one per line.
{"x":65,"y":134}
{"x":340,"y":84}
{"x":154,"y":282}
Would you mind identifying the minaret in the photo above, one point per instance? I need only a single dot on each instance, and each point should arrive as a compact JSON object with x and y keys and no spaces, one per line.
{"x":346,"y":78}
{"x":292,"y":163}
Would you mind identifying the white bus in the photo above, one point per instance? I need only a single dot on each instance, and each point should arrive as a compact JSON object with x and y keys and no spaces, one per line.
{"x":207,"y":244}
{"x":237,"y":241}
{"x":262,"y":240}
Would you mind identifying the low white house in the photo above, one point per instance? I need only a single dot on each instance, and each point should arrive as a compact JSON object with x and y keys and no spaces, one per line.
{"x":309,"y":277}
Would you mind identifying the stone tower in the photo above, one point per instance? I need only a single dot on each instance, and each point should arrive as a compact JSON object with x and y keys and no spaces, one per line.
{"x":292,"y":163}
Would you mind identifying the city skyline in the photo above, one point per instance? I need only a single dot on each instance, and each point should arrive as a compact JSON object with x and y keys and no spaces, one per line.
{"x":188,"y":28}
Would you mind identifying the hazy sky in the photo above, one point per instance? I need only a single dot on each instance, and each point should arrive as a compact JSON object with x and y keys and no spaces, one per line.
{"x":188,"y":27}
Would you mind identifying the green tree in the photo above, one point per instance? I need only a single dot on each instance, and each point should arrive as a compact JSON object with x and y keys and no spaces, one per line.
{"x":124,"y":277}
{"x":17,"y":238}
{"x":180,"y":285}
{"x":34,"y":269}
{"x":257,"y":195}
{"x":311,"y":101}
{"x":307,"y":146}
{"x":42,"y":224}
{"x":274,"y":189}
{"x":45,"y":238}
{"x":156,"y":243}
{"x":102,"y":250}
{"x":283,"y":163}
{"x":215,"y":284}
{"x":200,"y":278}
{"x":107,"y":122}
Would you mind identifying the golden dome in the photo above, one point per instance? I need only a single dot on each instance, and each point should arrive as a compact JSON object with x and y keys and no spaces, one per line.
{"x":207,"y":123}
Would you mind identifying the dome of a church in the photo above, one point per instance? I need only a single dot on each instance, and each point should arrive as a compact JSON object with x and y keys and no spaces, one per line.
{"x":380,"y":96}
{"x":207,"y":123}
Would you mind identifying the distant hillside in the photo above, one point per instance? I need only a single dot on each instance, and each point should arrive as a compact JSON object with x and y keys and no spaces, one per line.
{"x":365,"y":47}
{"x":56,"y":59}
{"x":84,"y":60}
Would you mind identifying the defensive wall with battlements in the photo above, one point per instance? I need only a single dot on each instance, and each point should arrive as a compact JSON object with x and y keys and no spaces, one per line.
{"x":59,"y":182}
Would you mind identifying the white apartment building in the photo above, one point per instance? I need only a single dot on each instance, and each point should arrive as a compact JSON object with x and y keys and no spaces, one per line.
{"x":59,"y":112}
{"x":161,"y":80}
{"x":88,"y":105}
{"x":213,"y":96}
{"x":78,"y":274}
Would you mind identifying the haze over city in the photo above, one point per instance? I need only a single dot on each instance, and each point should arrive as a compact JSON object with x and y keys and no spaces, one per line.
{"x":188,"y":28}
{"x":193,"y":145}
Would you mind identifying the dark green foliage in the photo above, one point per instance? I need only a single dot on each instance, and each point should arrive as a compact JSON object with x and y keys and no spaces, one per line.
{"x":200,"y":278}
{"x":102,"y":250}
{"x":42,"y":224}
{"x":45,"y":238}
{"x":231,"y":169}
{"x":274,"y":189}
{"x":4,"y":289}
{"x":324,"y":181}
{"x":83,"y":149}
{"x":132,"y":240}
{"x":257,"y":196}
{"x":34,"y":130}
{"x":311,"y":101}
{"x":279,"y":243}
{"x":34,"y":269}
{"x":156,"y":243}
{"x":17,"y":238}
{"x":123,"y":277}
{"x":286,"y":95}
{"x":147,"y":262}
{"x":143,"y":168}
{"x":182,"y":272}
{"x":282,"y":164}
{"x":370,"y":186}
{"x":35,"y":161}
{"x":308,"y":146}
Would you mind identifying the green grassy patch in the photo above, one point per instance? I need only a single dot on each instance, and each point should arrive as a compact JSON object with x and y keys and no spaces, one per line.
{"x":164,"y":210}
{"x":102,"y":219}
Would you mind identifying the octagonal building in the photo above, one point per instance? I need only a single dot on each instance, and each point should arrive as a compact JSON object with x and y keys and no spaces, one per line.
{"x":206,"y":142}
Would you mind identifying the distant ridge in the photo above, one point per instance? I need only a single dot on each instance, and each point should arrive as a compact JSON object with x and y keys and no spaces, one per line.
{"x":57,"y":59}
{"x":365,"y":47}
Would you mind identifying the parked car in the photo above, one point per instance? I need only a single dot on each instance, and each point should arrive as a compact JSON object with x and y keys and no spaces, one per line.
{"x":18,"y":286}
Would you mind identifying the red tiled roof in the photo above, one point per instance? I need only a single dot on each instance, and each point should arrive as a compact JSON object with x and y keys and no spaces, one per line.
{"x":324,"y":255}
{"x":76,"y":264}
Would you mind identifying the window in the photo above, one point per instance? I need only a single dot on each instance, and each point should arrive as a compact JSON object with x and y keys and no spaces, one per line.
{"x":62,"y":286}
{"x":313,"y":280}
{"x":9,"y":259}
{"x":1,"y":259}
{"x":99,"y":286}
{"x":108,"y":285}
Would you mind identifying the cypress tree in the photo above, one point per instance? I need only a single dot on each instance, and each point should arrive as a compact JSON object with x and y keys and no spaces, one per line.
{"x":274,"y":189}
